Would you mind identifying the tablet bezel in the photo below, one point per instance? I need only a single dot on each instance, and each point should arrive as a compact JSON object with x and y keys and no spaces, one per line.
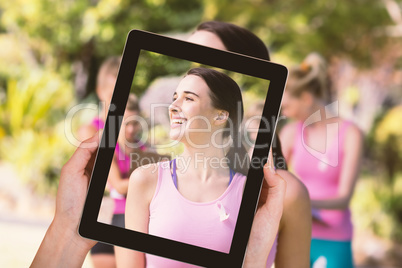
{"x":140,"y":40}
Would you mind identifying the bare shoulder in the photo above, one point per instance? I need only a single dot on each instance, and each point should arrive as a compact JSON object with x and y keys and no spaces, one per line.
{"x":295,"y":225}
{"x":354,"y":132}
{"x":296,"y":191}
{"x":297,"y":206}
{"x":145,"y":174}
{"x":289,"y":129}
{"x":144,"y":179}
{"x":287,"y":133}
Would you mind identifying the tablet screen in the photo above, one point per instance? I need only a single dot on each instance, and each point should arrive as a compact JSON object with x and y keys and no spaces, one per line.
{"x":189,"y":139}
{"x":169,"y":124}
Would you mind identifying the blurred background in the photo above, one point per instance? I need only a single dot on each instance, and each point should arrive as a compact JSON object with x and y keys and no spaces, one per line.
{"x":50,"y":52}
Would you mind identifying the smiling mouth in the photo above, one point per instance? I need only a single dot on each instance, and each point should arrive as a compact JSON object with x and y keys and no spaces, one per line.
{"x":178,"y":121}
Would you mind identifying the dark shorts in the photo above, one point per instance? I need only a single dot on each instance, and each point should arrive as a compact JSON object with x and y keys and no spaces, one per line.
{"x":101,"y":248}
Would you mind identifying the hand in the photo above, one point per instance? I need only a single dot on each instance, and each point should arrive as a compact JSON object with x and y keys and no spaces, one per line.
{"x":73,"y":186}
{"x":316,"y":217}
{"x":62,"y":245}
{"x":267,"y":218}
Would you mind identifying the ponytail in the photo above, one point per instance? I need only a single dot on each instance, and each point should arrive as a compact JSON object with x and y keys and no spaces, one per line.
{"x":310,"y":76}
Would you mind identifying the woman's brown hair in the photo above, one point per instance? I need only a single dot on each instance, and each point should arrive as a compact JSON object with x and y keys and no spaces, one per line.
{"x":310,"y":76}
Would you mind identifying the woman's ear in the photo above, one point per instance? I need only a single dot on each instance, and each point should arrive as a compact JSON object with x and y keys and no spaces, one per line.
{"x":221,"y":117}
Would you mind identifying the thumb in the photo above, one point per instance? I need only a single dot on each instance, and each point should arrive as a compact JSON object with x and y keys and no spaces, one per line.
{"x":273,"y":179}
{"x":84,"y":153}
{"x":276,"y":188}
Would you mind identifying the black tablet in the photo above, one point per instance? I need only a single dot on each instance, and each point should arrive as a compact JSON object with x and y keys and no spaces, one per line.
{"x":142,"y":50}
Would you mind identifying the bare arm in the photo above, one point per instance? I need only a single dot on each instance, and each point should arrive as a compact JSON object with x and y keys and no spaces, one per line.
{"x":115,"y":179}
{"x":140,"y":192}
{"x":295,"y":227}
{"x":287,"y":136}
{"x":349,"y":173}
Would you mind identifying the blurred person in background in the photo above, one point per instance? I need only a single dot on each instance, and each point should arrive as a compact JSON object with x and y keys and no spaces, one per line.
{"x":324,"y":151}
{"x":293,"y":240}
{"x":103,"y":255}
{"x":105,"y":82}
{"x":292,"y":244}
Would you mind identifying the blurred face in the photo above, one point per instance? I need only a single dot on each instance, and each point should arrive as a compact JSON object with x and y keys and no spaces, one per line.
{"x":130,"y":128}
{"x":207,"y":39}
{"x":105,"y":90}
{"x":191,"y":113}
{"x":292,"y":106}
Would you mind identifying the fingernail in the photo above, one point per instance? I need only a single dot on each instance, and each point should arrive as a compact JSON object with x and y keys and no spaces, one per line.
{"x":272,"y":169}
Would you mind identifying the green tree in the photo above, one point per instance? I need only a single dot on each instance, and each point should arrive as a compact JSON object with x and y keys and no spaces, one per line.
{"x":295,"y":28}
{"x":82,"y":33}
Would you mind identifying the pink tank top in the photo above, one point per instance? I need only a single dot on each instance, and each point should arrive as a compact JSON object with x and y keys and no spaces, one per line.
{"x":123,"y":162}
{"x":98,"y":123}
{"x":322,"y":181}
{"x":209,"y":225}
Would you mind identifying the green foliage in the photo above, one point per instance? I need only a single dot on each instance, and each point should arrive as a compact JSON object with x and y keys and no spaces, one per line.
{"x":384,"y":142}
{"x":38,"y":103}
{"x":42,"y":39}
{"x":68,"y":30}
{"x":32,"y":127}
{"x":51,"y":37}
{"x":38,"y":156}
{"x":378,"y":199}
{"x":152,"y":65}
{"x":61,"y":33}
{"x":377,"y":207}
{"x":292,"y":29}
{"x":159,"y":136}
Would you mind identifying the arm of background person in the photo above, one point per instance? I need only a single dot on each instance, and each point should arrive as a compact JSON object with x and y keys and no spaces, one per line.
{"x":350,"y":171}
{"x":115,"y":179}
{"x":119,"y":183}
{"x":295,"y":228}
{"x":141,"y":190}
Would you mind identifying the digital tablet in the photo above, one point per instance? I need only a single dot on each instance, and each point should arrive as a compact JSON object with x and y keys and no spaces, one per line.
{"x":259,"y":81}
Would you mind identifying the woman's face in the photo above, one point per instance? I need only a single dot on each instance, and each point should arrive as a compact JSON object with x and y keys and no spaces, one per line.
{"x":130,"y":127}
{"x":191,"y":113}
{"x":292,"y":106}
{"x":105,"y":90}
{"x":207,"y":39}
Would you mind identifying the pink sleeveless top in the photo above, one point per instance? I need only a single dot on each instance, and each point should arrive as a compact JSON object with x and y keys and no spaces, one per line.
{"x":209,"y":225}
{"x":322,"y":181}
{"x":123,"y":162}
